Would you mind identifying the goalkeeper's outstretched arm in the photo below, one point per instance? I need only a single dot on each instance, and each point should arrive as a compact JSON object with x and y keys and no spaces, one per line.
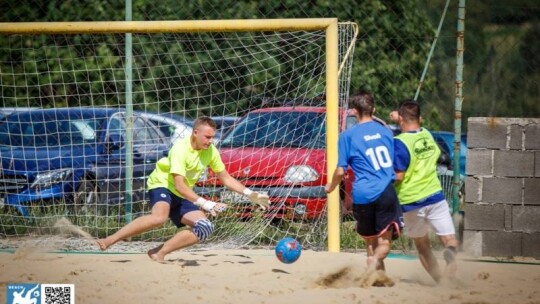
{"x":190,"y":195}
{"x":233,"y":184}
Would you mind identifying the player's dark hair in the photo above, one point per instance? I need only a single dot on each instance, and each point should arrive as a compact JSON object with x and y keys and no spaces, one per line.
{"x":204,"y":120}
{"x":409,"y":110}
{"x":363,"y":102}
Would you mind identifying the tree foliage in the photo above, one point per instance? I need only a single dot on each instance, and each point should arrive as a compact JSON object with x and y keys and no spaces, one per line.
{"x":501,"y":66}
{"x":501,"y":74}
{"x":389,"y":56}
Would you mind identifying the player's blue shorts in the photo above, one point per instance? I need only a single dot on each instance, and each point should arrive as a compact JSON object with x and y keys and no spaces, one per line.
{"x":179,"y":206}
{"x":383,"y":214}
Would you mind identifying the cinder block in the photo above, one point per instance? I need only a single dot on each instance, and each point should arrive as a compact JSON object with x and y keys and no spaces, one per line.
{"x":472,"y":189}
{"x":502,"y":190}
{"x":516,"y":137}
{"x":501,"y":243}
{"x":489,"y":134}
{"x":532,"y":137}
{"x":513,"y":163}
{"x":484,"y":217}
{"x":479,"y":162}
{"x":537,"y":163}
{"x":472,"y":242}
{"x":531,"y":191}
{"x":531,"y":245}
{"x":526,"y":218}
{"x":508,"y":217}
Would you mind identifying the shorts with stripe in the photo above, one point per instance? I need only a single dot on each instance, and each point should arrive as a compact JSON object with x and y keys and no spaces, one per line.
{"x":375,"y":218}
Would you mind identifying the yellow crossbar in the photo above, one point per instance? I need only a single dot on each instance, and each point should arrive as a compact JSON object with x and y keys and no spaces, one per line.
{"x":184,"y":26}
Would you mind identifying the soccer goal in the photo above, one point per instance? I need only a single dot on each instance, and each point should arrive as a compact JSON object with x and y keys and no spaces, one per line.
{"x":106,"y":100}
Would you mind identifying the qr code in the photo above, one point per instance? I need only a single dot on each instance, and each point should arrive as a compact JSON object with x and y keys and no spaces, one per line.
{"x":58,"y":293}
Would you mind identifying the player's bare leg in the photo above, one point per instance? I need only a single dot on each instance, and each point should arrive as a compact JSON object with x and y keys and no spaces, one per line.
{"x":375,"y":275}
{"x":378,"y":249}
{"x":371,"y":259}
{"x":180,"y":240}
{"x":157,"y":217}
{"x":451,"y":244}
{"x":427,"y":258}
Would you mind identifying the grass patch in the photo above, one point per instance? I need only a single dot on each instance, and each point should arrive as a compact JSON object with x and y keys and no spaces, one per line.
{"x":350,"y":240}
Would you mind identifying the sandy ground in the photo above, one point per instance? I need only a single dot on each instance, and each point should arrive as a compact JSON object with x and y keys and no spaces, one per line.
{"x":256,"y":276}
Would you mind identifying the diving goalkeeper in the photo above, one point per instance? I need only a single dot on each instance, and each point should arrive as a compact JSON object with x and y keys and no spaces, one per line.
{"x":171,"y":193}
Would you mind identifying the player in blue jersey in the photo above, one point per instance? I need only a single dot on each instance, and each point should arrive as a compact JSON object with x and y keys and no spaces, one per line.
{"x":368,"y":149}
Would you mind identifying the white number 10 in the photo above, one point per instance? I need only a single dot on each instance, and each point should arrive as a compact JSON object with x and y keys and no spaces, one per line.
{"x":379,"y":157}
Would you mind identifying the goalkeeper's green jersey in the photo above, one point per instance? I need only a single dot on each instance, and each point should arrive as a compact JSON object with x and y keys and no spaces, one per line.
{"x":184,"y":160}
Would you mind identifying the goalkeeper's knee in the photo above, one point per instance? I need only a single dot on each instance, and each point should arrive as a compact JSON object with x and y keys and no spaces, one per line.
{"x":203,"y":229}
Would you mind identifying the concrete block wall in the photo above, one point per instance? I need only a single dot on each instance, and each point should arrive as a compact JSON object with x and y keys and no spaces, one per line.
{"x":502,"y":188}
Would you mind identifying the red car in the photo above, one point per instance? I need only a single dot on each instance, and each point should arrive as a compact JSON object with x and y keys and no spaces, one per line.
{"x":280,"y":151}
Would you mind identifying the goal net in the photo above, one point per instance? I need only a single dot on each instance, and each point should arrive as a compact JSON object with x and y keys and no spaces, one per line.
{"x":75,"y":105}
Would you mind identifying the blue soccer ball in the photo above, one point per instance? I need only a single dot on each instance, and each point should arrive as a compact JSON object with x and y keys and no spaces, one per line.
{"x":288,"y":250}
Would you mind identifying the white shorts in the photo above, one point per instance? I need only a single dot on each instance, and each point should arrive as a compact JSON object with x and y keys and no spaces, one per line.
{"x":436,"y":216}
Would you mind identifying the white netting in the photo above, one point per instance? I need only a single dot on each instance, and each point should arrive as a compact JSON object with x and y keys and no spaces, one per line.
{"x":69,"y":160}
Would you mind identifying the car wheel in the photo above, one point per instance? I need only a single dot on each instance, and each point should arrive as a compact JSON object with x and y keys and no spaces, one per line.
{"x":86,"y":199}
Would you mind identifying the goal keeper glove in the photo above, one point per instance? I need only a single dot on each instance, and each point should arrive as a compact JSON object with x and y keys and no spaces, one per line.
{"x":210,"y":206}
{"x":260,"y":199}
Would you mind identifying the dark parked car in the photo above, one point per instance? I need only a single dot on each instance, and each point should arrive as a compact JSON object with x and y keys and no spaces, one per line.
{"x":172,"y":126}
{"x":8,"y":110}
{"x":74,"y":156}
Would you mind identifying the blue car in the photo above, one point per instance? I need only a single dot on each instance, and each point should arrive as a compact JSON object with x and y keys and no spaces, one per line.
{"x":75,"y":157}
{"x":445,"y":139}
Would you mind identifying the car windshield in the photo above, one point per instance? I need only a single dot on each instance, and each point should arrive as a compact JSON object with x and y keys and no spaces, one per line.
{"x":41,"y":130}
{"x":278,"y":129}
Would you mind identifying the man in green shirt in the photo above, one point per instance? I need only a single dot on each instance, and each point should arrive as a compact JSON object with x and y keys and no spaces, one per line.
{"x":419,"y":190}
{"x":171,"y":193}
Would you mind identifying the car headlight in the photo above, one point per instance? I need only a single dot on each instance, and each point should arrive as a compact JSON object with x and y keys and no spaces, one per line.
{"x":300,"y":174}
{"x":50,"y":178}
{"x":300,"y":209}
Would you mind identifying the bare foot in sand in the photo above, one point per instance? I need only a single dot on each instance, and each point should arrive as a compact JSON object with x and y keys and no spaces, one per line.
{"x":372,"y":261}
{"x":376,"y":278}
{"x":102,"y":244}
{"x":155,"y":255}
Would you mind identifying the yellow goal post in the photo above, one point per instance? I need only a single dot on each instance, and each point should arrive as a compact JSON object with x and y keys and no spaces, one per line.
{"x":329,"y":25}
